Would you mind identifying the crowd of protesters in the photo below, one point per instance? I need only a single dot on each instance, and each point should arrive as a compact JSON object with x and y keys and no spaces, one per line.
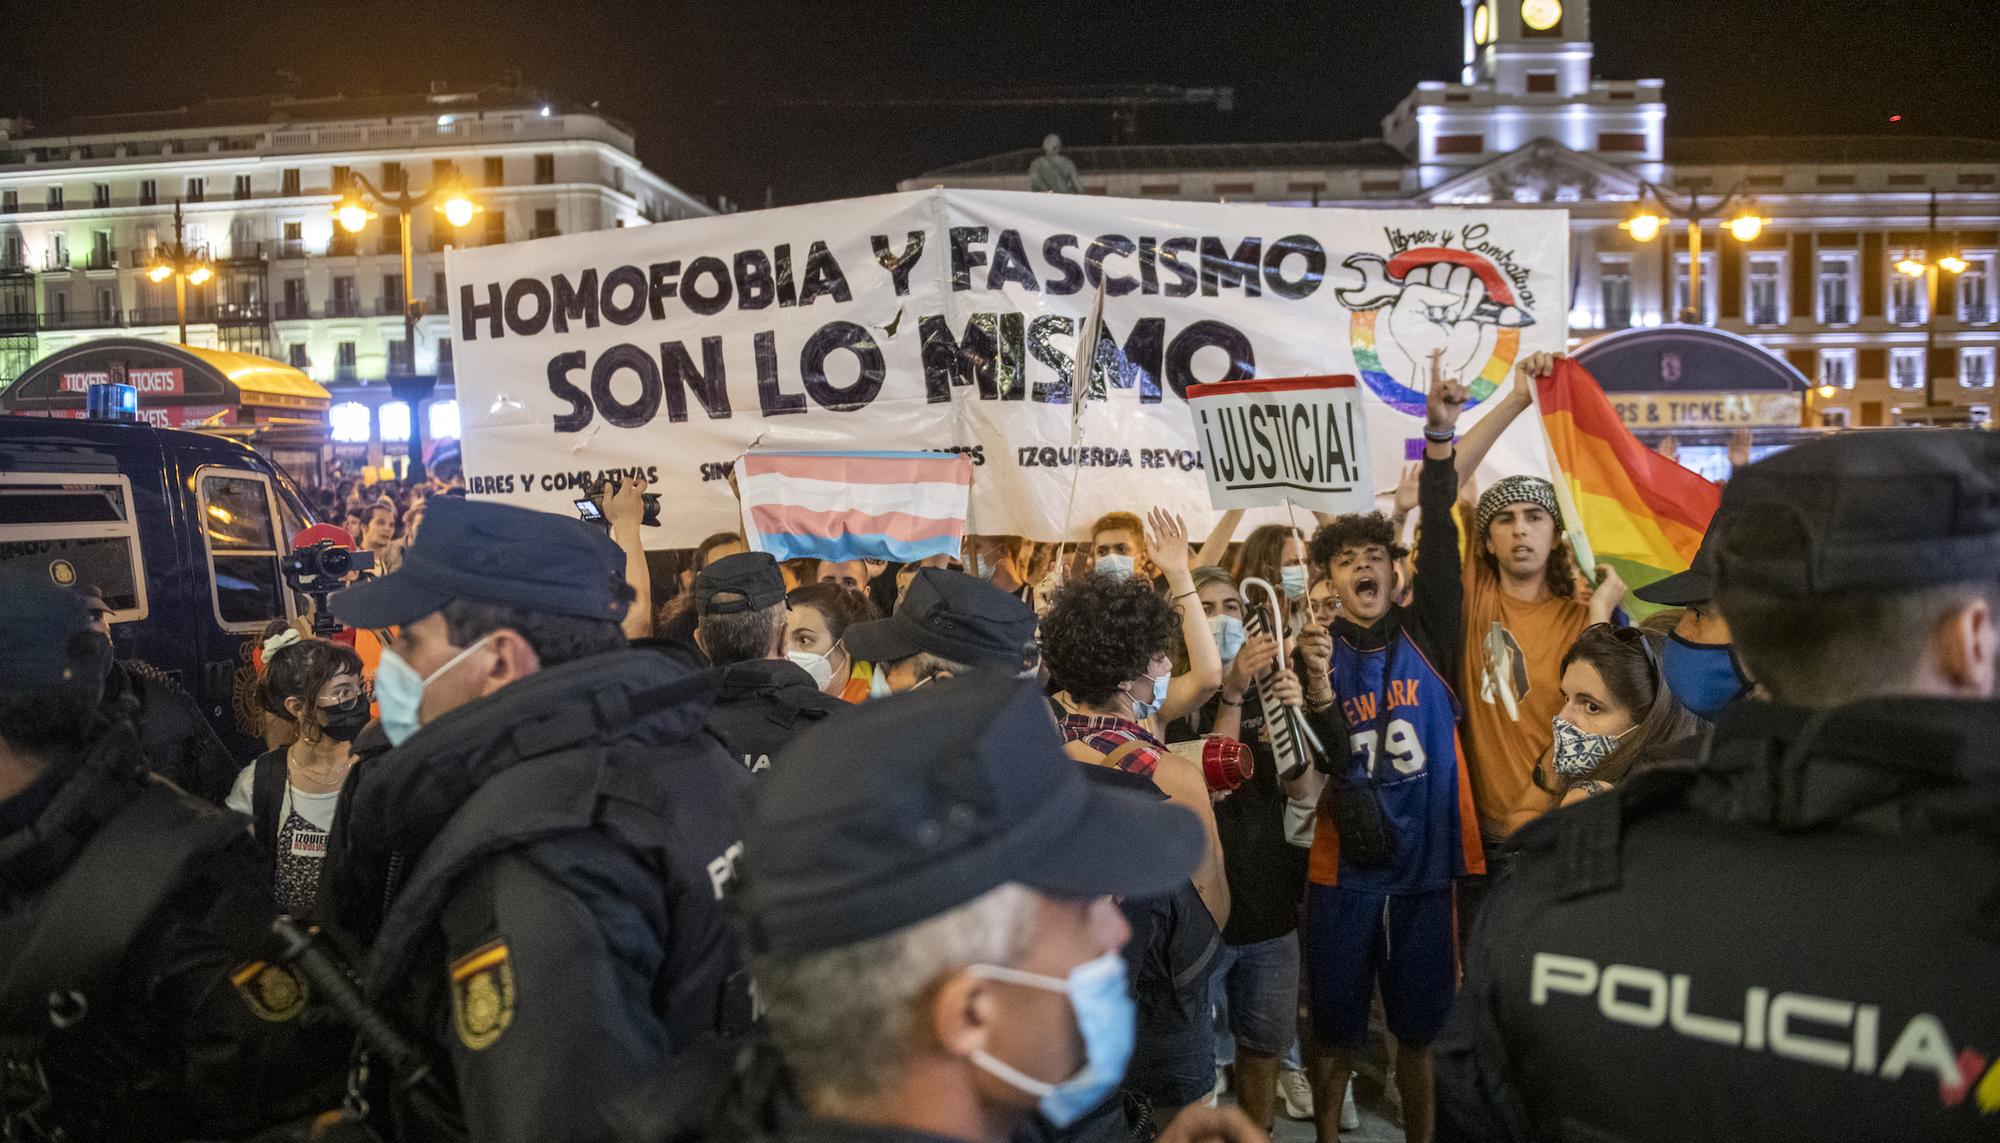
{"x":516,"y":787}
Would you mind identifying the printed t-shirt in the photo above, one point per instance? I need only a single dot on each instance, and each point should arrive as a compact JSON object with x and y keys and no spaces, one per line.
{"x":1501,"y":753}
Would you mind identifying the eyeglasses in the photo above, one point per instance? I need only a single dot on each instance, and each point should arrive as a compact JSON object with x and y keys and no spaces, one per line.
{"x":346,"y":693}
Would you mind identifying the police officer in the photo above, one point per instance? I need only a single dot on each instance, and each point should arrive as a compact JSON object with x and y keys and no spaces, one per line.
{"x":133,"y":1001}
{"x":931,"y":915}
{"x":1799,"y":938}
{"x":560,"y":830}
{"x":178,"y":742}
{"x":765,"y":698}
{"x":947,"y":624}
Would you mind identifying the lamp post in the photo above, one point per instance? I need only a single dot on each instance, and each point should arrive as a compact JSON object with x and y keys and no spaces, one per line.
{"x":352,"y":212}
{"x":1644,"y":225}
{"x":184,"y":266}
{"x":1935,"y":258}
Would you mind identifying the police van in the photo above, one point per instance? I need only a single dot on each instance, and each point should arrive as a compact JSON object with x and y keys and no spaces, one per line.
{"x":182,"y":532}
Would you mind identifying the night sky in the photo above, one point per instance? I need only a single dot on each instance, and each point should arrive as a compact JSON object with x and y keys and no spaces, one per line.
{"x":702,"y":83}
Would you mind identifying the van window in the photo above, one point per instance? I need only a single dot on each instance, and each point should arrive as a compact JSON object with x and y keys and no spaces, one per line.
{"x":236,"y":511}
{"x":75,"y":528}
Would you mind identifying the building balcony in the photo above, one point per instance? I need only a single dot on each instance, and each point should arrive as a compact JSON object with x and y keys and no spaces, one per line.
{"x":1978,"y":315}
{"x":293,"y":311}
{"x":389,"y":307}
{"x":343,"y":308}
{"x":1765,"y":315}
{"x":346,"y":372}
{"x":1907,"y":314}
{"x":242,"y":313}
{"x":101,"y":260}
{"x":1837,"y":315}
{"x":81,"y":319}
{"x":291,"y":248}
{"x":245,"y":252}
{"x":53,"y":260}
{"x":16,"y":323}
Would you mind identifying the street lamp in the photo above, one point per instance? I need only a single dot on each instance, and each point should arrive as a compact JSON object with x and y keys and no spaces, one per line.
{"x":450,"y":200}
{"x":1646,"y":224}
{"x":186,"y":267}
{"x":1927,"y":268}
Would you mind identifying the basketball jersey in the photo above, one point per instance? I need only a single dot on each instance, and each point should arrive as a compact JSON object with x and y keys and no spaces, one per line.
{"x":1411,"y":749}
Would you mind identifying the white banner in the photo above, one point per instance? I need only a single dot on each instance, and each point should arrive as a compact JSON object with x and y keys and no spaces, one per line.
{"x":947,"y":320}
{"x":1295,"y":440}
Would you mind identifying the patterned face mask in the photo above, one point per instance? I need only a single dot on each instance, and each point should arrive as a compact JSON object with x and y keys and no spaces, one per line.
{"x":1578,"y":752}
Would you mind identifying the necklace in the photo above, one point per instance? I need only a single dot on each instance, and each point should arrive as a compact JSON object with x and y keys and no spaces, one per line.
{"x":322,"y":779}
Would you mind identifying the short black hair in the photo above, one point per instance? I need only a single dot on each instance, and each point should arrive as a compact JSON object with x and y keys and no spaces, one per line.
{"x":1101,"y":631}
{"x":557,"y":639}
{"x":742,"y":636}
{"x":301,"y":671}
{"x":1836,"y":648}
{"x":1353,"y":530}
{"x":60,"y":717}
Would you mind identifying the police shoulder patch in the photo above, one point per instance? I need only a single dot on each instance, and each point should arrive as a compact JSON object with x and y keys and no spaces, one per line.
{"x":482,"y":995}
{"x":272,"y":991}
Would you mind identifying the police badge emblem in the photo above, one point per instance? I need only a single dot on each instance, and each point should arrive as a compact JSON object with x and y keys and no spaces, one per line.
{"x":482,"y":995}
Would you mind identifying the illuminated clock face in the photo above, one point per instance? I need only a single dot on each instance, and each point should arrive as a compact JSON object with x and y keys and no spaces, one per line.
{"x":1482,"y":25}
{"x":1541,"y":15}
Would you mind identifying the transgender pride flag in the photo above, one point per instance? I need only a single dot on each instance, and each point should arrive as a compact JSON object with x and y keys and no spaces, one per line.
{"x":897,"y":506}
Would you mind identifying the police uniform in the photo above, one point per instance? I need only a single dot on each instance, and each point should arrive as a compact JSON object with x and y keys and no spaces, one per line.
{"x":177,"y":741}
{"x":557,"y":851}
{"x":760,"y":703}
{"x":136,"y":1002}
{"x":957,"y":618}
{"x":1798,"y":937}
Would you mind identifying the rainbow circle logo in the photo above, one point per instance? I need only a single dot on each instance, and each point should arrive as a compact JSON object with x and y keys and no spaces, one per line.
{"x":1384,"y":282}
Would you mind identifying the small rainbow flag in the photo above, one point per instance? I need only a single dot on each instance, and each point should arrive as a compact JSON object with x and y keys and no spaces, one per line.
{"x":897,"y":506}
{"x":1642,"y":513}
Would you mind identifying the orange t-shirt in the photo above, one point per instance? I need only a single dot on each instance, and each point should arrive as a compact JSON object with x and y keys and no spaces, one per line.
{"x":1500,"y":752}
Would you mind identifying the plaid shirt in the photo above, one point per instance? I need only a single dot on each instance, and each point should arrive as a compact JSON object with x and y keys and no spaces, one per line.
{"x":1107,"y":733}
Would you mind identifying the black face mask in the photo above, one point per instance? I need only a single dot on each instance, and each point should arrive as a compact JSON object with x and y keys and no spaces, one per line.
{"x":344,"y":723}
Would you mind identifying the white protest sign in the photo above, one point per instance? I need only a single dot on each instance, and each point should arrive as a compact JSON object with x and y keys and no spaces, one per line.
{"x":1302,"y":440}
{"x":946,"y":320}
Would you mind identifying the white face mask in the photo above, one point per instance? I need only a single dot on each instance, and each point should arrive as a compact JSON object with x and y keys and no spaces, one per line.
{"x":818,"y":666}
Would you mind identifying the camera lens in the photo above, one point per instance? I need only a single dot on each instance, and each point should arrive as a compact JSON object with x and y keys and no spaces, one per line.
{"x":334,"y":561}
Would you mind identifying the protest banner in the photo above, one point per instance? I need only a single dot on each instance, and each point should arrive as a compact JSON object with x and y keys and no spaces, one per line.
{"x":1301,"y":440}
{"x":946,"y":321}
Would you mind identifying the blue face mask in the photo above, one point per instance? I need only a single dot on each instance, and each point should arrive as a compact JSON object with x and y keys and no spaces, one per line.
{"x":1106,"y":1017}
{"x":1229,"y":635}
{"x":1702,"y":675}
{"x":1117,"y":567}
{"x":399,"y":691}
{"x":1292,"y":577}
{"x":1143,"y":710}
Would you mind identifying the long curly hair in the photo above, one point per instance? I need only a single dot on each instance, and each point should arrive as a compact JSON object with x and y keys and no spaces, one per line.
{"x":1101,"y":632}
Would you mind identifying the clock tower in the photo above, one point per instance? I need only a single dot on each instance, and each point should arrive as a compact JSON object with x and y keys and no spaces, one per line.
{"x":1527,"y":76}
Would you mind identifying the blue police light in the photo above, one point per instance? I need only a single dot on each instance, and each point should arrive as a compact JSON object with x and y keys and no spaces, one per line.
{"x":108,"y":402}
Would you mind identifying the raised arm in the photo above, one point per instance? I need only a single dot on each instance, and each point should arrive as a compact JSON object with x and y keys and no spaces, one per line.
{"x":1167,"y":543}
{"x":1478,"y":440}
{"x":626,"y":510}
{"x":1439,"y":591}
{"x":1217,"y":544}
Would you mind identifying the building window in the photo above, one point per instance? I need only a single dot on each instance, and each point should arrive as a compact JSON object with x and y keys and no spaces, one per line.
{"x":496,"y":227}
{"x":392,"y":293}
{"x":1975,"y":290}
{"x":288,"y":182}
{"x":395,"y":421}
{"x":1683,"y":302}
{"x":107,"y":306}
{"x":242,"y":186}
{"x":545,"y":169}
{"x":299,"y":359}
{"x":1626,"y":141}
{"x":496,"y":171}
{"x":1541,"y":82}
{"x":296,"y":302}
{"x":341,"y":177}
{"x":196,"y":188}
{"x":100,"y":195}
{"x":1834,"y":417}
{"x":1975,"y":368}
{"x":350,"y":421}
{"x":1836,"y":368}
{"x":444,"y":420}
{"x":1906,"y":294}
{"x":1767,"y":289}
{"x":545,"y":223}
{"x":55,"y":198}
{"x":1836,"y":289}
{"x":149,"y":192}
{"x":1459,"y":144}
{"x":392,"y":176}
{"x":58,"y":257}
{"x":10,"y":202}
{"x":440,"y":296}
{"x":14,"y":258}
{"x":344,"y":298}
{"x":343,"y":359}
{"x":1614,"y":291}
{"x":100,"y":250}
{"x":1906,"y":369}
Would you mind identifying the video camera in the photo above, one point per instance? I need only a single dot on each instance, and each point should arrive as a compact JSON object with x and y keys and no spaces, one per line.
{"x":318,"y":570}
{"x":591,"y":509}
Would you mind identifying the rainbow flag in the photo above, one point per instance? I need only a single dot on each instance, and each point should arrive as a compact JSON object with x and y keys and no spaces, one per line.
{"x":1642,"y":513}
{"x":897,"y":506}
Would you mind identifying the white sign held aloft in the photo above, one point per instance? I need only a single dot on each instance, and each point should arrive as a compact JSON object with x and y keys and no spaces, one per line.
{"x":1297,"y":439}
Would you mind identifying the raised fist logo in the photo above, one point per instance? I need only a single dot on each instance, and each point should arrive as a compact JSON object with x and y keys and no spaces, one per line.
{"x":1439,"y":309}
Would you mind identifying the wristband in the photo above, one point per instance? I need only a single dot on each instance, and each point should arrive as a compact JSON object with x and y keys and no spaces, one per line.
{"x":1435,"y":437}
{"x":1184,"y":595}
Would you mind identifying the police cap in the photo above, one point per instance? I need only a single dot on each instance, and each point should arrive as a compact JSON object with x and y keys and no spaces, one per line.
{"x":37,"y":622}
{"x":954,"y":616}
{"x":1883,"y":510}
{"x":903,"y":808}
{"x":485,"y":552}
{"x":732,"y":585}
